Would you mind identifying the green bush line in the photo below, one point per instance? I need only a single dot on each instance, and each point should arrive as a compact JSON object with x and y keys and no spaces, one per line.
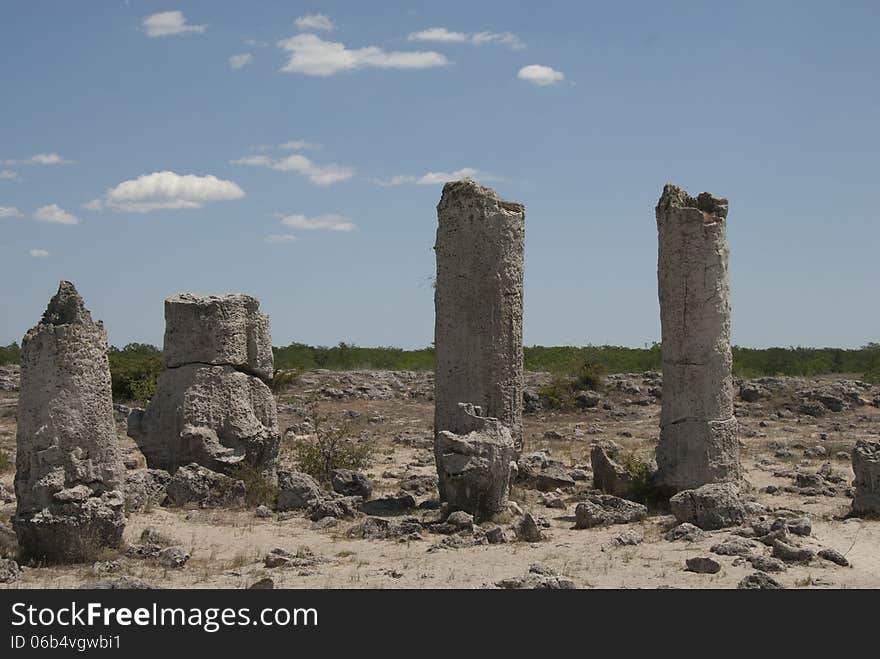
{"x":135,"y":367}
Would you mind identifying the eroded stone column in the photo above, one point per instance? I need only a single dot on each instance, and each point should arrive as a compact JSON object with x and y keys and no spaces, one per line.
{"x":69,"y":475}
{"x":212,"y":404}
{"x":698,"y":439}
{"x":478,"y":305}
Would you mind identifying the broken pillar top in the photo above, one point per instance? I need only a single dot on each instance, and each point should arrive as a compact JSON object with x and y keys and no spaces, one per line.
{"x":712,"y":208}
{"x":222,"y":330}
{"x":469,"y":188}
{"x":66,"y":307}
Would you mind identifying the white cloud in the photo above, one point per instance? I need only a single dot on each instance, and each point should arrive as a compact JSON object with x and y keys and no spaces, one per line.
{"x":311,"y":55}
{"x":292,"y":145}
{"x":9,"y":211}
{"x":327,"y":222}
{"x":240,"y":61}
{"x":281,"y":238}
{"x":540,"y":75}
{"x":317,"y":174}
{"x":54,"y":215}
{"x":168,"y":23}
{"x":314,"y":22}
{"x":8,"y":174}
{"x":442,"y":35}
{"x":166,"y":190}
{"x":39,"y":253}
{"x":39,"y":159}
{"x":436,"y":178}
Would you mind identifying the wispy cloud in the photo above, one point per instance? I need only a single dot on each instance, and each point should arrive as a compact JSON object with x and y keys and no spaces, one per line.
{"x":281,"y":238}
{"x":436,"y":178}
{"x":40,"y":253}
{"x":540,"y":75}
{"x":9,"y":211}
{"x":318,"y":174}
{"x":8,"y":174}
{"x":39,"y":159}
{"x":240,"y":61}
{"x":443,"y":35}
{"x":291,"y":145}
{"x":326,"y":222}
{"x":169,"y":23}
{"x":311,"y":55}
{"x":166,"y":191}
{"x":54,"y":214}
{"x":314,"y":22}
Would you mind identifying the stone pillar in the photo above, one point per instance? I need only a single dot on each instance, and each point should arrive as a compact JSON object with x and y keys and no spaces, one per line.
{"x":473,"y":466}
{"x":69,"y":474}
{"x":698,"y":439}
{"x":866,"y":466}
{"x":478,"y":307}
{"x":212,"y":404}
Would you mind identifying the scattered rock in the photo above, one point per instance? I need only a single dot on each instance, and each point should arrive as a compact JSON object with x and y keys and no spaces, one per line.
{"x":297,"y":491}
{"x":527,"y":529}
{"x":759,"y":581}
{"x":145,"y":488}
{"x":686,"y":532}
{"x":351,"y":483}
{"x":9,"y":571}
{"x":866,"y":466}
{"x":173,"y":557}
{"x":605,"y":509}
{"x":712,"y":506}
{"x":194,"y":484}
{"x":703,"y":565}
{"x":791,"y":554}
{"x":834,"y":556}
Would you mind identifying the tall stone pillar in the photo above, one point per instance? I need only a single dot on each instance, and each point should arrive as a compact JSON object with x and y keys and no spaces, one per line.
{"x":68,"y":473}
{"x":478,"y":306}
{"x":698,"y":439}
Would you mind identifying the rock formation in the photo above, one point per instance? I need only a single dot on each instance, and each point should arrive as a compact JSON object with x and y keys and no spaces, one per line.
{"x":212,"y":405}
{"x":69,"y":474}
{"x":866,"y":466}
{"x":478,"y":305}
{"x":698,"y":442}
{"x":474,"y":467}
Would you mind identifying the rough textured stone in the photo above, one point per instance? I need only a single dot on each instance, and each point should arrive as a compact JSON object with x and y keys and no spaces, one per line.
{"x":474,"y":468}
{"x":866,"y":466}
{"x":698,"y":432}
{"x":212,"y":405}
{"x":759,"y":581}
{"x":9,"y":571}
{"x":297,"y":491}
{"x":714,"y":506}
{"x":703,"y":565}
{"x":478,"y":304}
{"x":215,"y":416}
{"x":145,"y":488}
{"x":609,"y":475}
{"x":223,"y":330}
{"x":196,"y":485}
{"x":68,"y":479}
{"x":605,"y":509}
{"x":351,"y":483}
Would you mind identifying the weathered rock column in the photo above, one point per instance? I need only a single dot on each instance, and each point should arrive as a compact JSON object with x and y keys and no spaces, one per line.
{"x":478,"y":306}
{"x":866,"y":466}
{"x":212,"y":404}
{"x":698,"y":439}
{"x":474,"y":466}
{"x":69,"y":473}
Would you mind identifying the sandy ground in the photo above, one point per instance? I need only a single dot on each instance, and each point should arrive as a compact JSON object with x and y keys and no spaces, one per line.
{"x":228,"y":547}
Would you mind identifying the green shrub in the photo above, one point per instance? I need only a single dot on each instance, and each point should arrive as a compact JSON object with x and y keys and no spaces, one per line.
{"x":330,"y":448}
{"x":259,"y":491}
{"x":134,"y":371}
{"x":560,"y":393}
{"x":644,"y":490}
{"x":282,"y":379}
{"x":872,"y":376}
{"x":10,"y":354}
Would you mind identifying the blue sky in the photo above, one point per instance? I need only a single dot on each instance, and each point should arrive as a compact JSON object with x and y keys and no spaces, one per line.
{"x":295,"y":151}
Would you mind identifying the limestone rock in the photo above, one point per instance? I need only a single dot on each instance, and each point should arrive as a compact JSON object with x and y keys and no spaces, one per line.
{"x":866,"y":466}
{"x":9,"y":571}
{"x":698,"y":432}
{"x":474,"y":468}
{"x":609,"y":475}
{"x":759,"y":581}
{"x":145,"y":488}
{"x":196,"y":485}
{"x":351,"y":483}
{"x":478,"y":303}
{"x":223,"y":330}
{"x":714,"y":506}
{"x":297,"y":491}
{"x":605,"y":509}
{"x":215,"y":416}
{"x":69,"y":475}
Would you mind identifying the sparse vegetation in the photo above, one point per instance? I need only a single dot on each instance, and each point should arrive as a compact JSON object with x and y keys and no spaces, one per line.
{"x":560,"y":393}
{"x":259,"y":491}
{"x":282,"y":379}
{"x":134,"y":371}
{"x":10,"y":354}
{"x":330,"y":448}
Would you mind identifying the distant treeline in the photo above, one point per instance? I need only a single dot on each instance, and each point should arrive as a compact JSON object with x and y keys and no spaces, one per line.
{"x":135,"y":367}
